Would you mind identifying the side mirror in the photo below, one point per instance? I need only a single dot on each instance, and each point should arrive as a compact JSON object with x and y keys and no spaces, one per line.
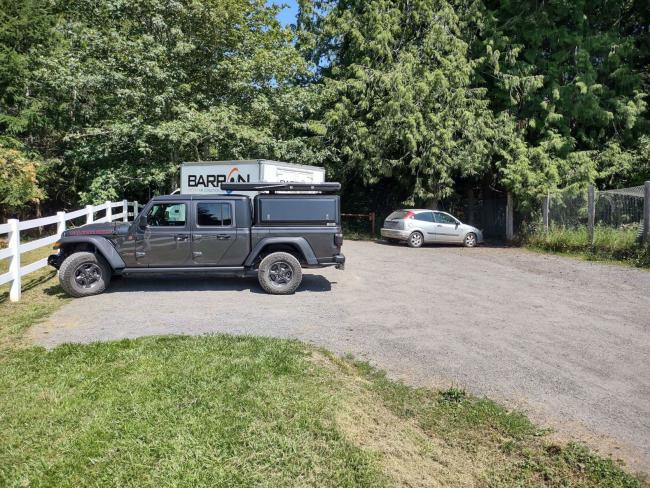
{"x":143,"y":222}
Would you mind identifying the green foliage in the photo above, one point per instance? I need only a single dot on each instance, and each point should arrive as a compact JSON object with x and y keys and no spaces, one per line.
{"x":620,"y":244}
{"x":397,"y":99}
{"x":423,"y":99}
{"x":570,"y":74}
{"x":18,"y":181}
{"x":127,"y":90}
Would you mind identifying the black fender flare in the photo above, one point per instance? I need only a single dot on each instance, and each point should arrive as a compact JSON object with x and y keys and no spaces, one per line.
{"x":101,"y":244}
{"x":299,"y":242}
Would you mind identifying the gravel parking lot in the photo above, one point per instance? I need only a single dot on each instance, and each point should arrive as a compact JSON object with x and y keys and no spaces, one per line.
{"x":566,"y":340}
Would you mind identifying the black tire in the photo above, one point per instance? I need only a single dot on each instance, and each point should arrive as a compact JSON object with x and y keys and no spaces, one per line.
{"x":83,"y":274}
{"x":470,"y":240}
{"x":280,"y":273}
{"x":416,"y":239}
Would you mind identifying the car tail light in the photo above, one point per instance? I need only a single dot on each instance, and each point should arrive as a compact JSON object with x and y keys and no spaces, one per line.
{"x":409,"y":215}
{"x":338,"y":240}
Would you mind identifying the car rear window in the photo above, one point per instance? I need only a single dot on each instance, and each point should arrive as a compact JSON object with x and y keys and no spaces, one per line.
{"x":397,"y":215}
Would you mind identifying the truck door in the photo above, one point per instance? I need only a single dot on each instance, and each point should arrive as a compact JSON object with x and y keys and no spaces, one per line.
{"x":214,"y":239}
{"x":166,"y":240}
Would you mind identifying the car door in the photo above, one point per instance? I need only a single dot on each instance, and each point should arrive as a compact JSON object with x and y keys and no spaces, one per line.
{"x":447,"y":228}
{"x":426,"y":223}
{"x":165,"y":242}
{"x":215,"y":234}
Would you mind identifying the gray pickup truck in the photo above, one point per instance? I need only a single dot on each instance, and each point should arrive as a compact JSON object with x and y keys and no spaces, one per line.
{"x":273,"y":237}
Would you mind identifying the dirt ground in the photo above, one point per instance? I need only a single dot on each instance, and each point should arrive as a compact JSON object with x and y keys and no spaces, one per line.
{"x":565,"y":340}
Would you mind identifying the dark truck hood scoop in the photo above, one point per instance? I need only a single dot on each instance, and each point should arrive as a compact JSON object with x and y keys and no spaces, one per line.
{"x":99,"y":229}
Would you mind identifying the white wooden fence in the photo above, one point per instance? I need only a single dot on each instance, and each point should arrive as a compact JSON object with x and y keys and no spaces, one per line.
{"x":15,"y":248}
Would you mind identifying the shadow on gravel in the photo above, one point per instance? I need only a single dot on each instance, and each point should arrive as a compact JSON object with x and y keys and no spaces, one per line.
{"x":488,"y":244}
{"x":312,"y":283}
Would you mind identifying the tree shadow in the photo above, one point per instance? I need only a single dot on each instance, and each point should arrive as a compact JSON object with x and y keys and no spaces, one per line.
{"x":490,"y":243}
{"x":33,"y":283}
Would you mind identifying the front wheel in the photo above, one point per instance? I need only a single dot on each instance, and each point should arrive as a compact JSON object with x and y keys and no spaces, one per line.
{"x":280,"y":273}
{"x":416,"y":239}
{"x":470,"y":240}
{"x":83,"y":274}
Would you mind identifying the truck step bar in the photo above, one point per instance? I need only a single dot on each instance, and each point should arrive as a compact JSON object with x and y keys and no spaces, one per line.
{"x":239,"y":271}
{"x":329,"y":187}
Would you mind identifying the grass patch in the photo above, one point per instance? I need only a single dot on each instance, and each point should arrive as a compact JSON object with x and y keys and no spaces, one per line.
{"x":41,"y":295}
{"x":243,"y":411}
{"x":618,"y":245}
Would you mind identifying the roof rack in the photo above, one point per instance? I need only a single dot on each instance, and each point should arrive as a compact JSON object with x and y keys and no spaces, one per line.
{"x":329,"y":187}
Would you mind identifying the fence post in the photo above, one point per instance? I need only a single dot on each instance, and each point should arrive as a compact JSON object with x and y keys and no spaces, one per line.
{"x":591,"y":213}
{"x":546,"y":207}
{"x":646,"y":213}
{"x":14,"y":266}
{"x":510,"y":218}
{"x":109,"y":211}
{"x":60,"y":226}
{"x":125,"y":211}
{"x":372,"y":222}
{"x":135,"y":209}
{"x":90,"y":214}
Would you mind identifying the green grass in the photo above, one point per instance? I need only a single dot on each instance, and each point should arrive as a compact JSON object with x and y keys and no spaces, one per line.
{"x":41,"y":295}
{"x":244,"y":411}
{"x":618,"y":245}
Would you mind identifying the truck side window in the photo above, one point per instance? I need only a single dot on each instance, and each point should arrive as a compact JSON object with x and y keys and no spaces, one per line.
{"x":167,"y":215}
{"x":214,"y":215}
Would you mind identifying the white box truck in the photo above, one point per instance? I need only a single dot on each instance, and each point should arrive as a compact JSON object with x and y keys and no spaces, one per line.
{"x":207,"y":176}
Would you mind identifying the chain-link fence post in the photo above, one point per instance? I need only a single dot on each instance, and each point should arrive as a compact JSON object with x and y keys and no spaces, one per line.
{"x":591,"y":213}
{"x":546,"y":205}
{"x":646,"y":213}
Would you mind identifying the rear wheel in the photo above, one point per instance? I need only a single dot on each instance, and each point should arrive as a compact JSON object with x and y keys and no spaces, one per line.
{"x":280,"y":273}
{"x":83,"y":274}
{"x":470,"y":240}
{"x":416,"y":239}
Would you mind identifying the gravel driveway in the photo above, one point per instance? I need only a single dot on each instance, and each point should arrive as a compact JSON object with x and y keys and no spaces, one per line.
{"x":566,"y":340}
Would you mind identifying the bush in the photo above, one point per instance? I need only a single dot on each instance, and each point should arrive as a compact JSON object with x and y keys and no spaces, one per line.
{"x":622,"y":244}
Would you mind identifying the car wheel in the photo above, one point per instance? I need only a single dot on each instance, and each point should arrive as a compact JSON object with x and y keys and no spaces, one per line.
{"x":83,"y":274}
{"x":416,"y":239}
{"x":470,"y":240}
{"x":280,"y":273}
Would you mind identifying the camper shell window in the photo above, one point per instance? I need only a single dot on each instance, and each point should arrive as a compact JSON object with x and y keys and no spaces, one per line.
{"x":305,"y":209}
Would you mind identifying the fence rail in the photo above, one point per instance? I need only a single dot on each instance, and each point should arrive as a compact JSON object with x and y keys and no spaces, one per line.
{"x":15,"y":248}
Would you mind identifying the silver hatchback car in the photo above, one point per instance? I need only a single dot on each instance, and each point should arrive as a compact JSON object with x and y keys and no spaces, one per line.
{"x":418,"y":227}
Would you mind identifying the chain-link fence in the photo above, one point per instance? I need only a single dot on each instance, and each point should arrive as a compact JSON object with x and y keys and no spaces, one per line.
{"x":622,"y":208}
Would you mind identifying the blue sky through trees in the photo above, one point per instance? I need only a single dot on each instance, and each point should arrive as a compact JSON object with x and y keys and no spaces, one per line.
{"x":288,"y":14}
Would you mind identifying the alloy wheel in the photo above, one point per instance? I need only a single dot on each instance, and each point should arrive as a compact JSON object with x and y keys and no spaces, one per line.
{"x":88,"y":275}
{"x":416,"y":239}
{"x":280,"y":273}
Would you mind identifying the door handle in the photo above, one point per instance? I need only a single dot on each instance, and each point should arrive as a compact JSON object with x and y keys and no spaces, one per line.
{"x":223,"y":236}
{"x":181,"y":237}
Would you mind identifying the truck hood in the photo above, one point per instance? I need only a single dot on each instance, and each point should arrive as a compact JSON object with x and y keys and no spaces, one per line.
{"x":102,"y":228}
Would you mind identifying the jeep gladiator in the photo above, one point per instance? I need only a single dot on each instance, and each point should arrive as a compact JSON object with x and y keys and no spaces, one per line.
{"x":272,"y":236}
